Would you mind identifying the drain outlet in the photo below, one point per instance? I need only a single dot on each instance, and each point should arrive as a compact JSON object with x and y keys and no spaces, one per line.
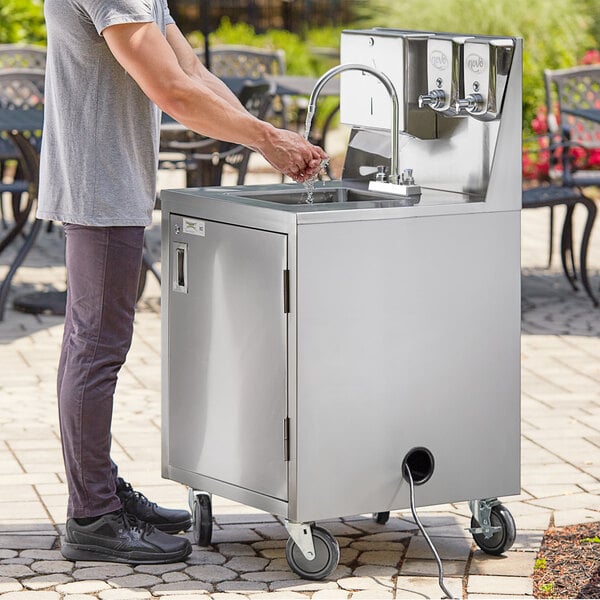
{"x":421,"y":464}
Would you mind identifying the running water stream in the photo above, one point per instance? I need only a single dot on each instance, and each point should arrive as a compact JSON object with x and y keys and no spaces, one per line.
{"x":309,"y":185}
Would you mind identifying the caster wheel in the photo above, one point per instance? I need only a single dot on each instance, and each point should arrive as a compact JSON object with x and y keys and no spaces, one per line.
{"x":202,"y":518}
{"x":327,"y":555}
{"x":501,"y":540}
{"x":381,"y":517}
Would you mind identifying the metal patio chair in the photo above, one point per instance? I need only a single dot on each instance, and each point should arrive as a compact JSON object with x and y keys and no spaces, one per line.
{"x":24,"y":89}
{"x":228,"y":60}
{"x":20,"y":56}
{"x":244,"y":61}
{"x":29,"y":160}
{"x":20,"y":88}
{"x":573,"y":105}
{"x":573,"y":109}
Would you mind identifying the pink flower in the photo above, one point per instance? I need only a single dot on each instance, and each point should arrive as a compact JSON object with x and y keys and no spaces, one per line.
{"x":591,"y":57}
{"x":539,"y":125}
{"x":578,"y":155}
{"x":594,"y":159}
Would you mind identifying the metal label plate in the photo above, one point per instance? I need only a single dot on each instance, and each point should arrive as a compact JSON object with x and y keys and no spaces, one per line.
{"x":194,"y":226}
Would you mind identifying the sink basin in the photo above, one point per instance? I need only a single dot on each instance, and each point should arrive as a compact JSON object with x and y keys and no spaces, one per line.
{"x":330,"y":195}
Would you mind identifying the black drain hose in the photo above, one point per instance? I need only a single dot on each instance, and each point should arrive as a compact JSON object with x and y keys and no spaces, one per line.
{"x":427,"y":539}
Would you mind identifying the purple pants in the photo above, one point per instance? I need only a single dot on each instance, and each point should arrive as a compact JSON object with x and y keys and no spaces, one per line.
{"x":103,"y":267}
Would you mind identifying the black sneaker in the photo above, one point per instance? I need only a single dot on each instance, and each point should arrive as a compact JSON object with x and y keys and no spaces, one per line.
{"x":118,"y":537}
{"x":165,"y":519}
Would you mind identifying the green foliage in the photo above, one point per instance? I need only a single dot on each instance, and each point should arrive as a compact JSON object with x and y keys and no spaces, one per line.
{"x":594,"y":540}
{"x":547,"y":588}
{"x":555,"y":34}
{"x":299,"y":58}
{"x":540,"y":564}
{"x":22,"y":21}
{"x":592,"y":9}
{"x":324,"y":37}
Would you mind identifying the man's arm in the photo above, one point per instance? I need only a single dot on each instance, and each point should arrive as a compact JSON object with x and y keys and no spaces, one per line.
{"x":194,"y":68}
{"x":150,"y":59}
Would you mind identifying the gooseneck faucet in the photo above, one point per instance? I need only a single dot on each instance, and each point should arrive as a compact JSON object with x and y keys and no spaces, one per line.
{"x":389,"y":86}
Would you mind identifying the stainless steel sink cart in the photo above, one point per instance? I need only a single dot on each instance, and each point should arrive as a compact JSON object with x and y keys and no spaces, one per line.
{"x":313,"y":352}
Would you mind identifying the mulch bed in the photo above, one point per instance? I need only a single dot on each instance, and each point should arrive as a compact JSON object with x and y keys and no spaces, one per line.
{"x":568,"y":563}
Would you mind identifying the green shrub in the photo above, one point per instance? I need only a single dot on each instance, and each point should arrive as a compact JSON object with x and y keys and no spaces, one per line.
{"x":324,"y":37}
{"x":22,"y":21}
{"x":592,"y":9}
{"x":299,"y":58}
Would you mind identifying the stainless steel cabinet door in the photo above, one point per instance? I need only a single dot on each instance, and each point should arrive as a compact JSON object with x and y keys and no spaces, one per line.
{"x":228,"y":354}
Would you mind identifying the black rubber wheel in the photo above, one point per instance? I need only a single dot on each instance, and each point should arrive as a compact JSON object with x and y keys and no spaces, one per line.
{"x":381,"y":517}
{"x":202,"y":519}
{"x":327,"y":556}
{"x":501,"y":540}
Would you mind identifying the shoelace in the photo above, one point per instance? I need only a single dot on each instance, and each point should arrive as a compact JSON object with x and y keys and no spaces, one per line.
{"x":127,"y":491}
{"x":132,"y":522}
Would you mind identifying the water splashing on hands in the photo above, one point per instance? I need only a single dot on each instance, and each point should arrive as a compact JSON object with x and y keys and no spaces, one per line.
{"x":309,"y":184}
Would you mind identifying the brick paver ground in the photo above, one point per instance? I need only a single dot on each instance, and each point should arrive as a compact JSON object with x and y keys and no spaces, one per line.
{"x":560,"y":465}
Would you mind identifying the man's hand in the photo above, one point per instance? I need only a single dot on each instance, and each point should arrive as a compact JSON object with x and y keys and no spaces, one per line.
{"x":291,"y":154}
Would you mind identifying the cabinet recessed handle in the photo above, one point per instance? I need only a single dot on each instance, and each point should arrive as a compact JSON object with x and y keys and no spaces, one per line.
{"x":286,"y":291}
{"x":180,"y":268}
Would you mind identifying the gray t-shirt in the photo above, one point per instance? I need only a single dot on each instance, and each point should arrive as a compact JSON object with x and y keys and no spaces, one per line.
{"x":101,"y":132}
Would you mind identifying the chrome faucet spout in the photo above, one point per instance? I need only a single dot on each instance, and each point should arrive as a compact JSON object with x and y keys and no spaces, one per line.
{"x":394,"y":176}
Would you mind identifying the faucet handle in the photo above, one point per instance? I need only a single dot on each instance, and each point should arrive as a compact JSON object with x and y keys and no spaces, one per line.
{"x":380,"y":170}
{"x":382,"y":173}
{"x":407,"y":177}
{"x":365,"y":170}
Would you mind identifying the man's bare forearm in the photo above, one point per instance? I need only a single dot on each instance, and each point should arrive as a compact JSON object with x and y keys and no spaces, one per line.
{"x":193,"y":67}
{"x":172,"y":79}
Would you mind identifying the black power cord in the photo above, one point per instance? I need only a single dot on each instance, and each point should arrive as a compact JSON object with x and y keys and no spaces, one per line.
{"x":427,"y":539}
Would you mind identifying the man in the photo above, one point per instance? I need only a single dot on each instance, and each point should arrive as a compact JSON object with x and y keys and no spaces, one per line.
{"x":112,"y":65}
